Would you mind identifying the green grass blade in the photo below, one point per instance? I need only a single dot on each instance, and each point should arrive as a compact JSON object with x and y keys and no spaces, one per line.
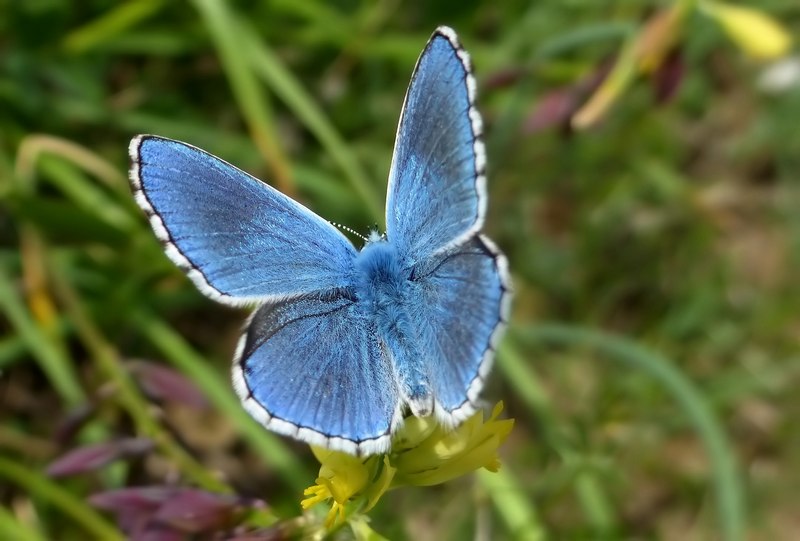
{"x":288,"y":88}
{"x":70,"y":504}
{"x":228,"y":38}
{"x":110,"y":25}
{"x":593,"y":500}
{"x":727,"y":484}
{"x":53,"y":361}
{"x":517,"y":511}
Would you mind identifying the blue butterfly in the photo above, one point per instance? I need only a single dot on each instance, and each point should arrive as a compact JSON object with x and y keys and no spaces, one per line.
{"x":345,"y":342}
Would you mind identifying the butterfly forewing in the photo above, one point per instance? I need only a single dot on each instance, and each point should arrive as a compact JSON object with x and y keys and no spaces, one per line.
{"x":240,"y":240}
{"x":436,"y":195}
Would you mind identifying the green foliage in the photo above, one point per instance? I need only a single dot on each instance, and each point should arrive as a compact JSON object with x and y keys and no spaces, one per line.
{"x":663,"y":239}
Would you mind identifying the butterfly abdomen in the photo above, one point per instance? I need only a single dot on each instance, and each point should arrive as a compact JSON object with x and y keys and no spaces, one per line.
{"x":384,"y":286}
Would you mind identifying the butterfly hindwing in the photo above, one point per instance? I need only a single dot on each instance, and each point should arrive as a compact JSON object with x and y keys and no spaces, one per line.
{"x":436,"y":197}
{"x":313,"y":368}
{"x":462,"y":302}
{"x":237,"y":238}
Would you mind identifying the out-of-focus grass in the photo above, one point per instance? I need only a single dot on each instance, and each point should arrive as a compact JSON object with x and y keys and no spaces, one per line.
{"x":665,"y":238}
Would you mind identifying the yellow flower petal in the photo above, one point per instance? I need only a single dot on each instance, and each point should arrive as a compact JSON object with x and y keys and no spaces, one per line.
{"x":335,"y":515}
{"x":758,"y":34}
{"x":413,"y":431}
{"x":445,"y":454}
{"x":345,"y":475}
{"x":612,"y":87}
{"x":423,"y":453}
{"x":317,"y":494}
{"x":659,"y":35}
{"x":380,"y":485}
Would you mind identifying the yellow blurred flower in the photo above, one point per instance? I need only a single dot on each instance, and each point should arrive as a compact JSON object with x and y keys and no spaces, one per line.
{"x":423,"y":453}
{"x":758,"y":34}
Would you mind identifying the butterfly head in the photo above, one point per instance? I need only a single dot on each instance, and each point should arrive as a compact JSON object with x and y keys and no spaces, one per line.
{"x":375,"y":236}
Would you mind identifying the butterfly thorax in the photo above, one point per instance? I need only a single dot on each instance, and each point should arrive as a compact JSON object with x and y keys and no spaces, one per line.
{"x":384,"y":286}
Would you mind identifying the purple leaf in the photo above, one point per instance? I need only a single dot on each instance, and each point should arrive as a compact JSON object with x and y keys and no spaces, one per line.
{"x":267,"y":534}
{"x":162,"y":383}
{"x":503,"y":78}
{"x":668,"y":77}
{"x":76,"y":418}
{"x":192,"y":510}
{"x":553,"y":109}
{"x":158,"y":533}
{"x":133,"y":498}
{"x":133,"y":507}
{"x":92,"y":457}
{"x":556,"y":108}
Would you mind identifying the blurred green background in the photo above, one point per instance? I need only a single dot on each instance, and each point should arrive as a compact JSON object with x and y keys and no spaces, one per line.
{"x":653,"y":359}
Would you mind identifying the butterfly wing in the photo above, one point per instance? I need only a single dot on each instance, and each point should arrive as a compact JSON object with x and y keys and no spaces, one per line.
{"x":312,"y":368}
{"x":437,"y":184}
{"x":462,"y":299}
{"x":238,"y":239}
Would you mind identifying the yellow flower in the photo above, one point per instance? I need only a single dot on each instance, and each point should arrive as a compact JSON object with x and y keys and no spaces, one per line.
{"x":341,"y":478}
{"x":423,"y":453}
{"x":444,"y":454}
{"x":754,"y":31}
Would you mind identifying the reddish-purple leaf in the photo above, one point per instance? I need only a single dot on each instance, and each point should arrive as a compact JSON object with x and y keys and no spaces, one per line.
{"x":503,"y":78}
{"x":92,"y":457}
{"x":163,"y":383}
{"x":556,"y":108}
{"x":76,"y":418}
{"x":133,"y":498}
{"x":668,"y":77}
{"x":192,"y":510}
{"x":266,"y":534}
{"x":134,"y":507}
{"x":553,"y":109}
{"x":157,"y":533}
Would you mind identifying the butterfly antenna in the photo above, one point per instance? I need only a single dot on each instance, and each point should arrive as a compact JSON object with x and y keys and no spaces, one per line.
{"x":350,"y":230}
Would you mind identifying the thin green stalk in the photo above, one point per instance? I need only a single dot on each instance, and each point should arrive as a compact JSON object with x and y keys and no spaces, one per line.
{"x":288,"y":88}
{"x":76,"y":508}
{"x":11,"y":528}
{"x":590,"y":493}
{"x":34,"y":146}
{"x":218,"y":391}
{"x":513,"y":506}
{"x":253,"y":103}
{"x":111,"y":24}
{"x":726,"y":481}
{"x":51,"y":358}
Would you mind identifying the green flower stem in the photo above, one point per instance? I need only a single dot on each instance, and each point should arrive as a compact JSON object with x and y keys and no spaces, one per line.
{"x":512,"y":504}
{"x":129,"y":396}
{"x":218,"y":391}
{"x":77,"y":509}
{"x":726,"y":480}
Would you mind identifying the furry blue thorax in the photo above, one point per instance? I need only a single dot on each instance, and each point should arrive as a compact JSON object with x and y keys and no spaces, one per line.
{"x":384,"y":286}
